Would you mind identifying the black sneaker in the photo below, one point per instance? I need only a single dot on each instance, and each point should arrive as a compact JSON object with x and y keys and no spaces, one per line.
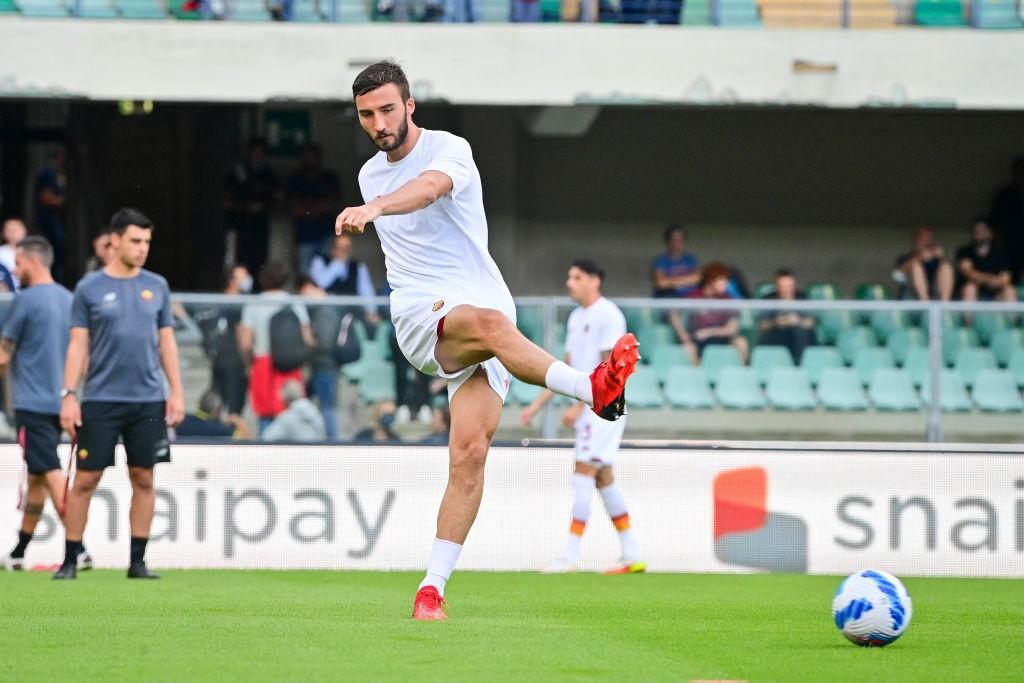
{"x":139,"y":570}
{"x":66,"y":571}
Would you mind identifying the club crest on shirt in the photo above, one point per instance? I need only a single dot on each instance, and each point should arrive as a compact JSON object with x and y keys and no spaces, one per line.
{"x":147,"y":295}
{"x":82,"y":454}
{"x":438,"y":305}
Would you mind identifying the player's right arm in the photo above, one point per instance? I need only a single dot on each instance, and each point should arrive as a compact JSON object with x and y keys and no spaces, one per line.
{"x":418,"y":193}
{"x":74,"y":368}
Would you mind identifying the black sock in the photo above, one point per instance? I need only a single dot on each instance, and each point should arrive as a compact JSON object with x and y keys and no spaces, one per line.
{"x":23,"y":539}
{"x":71,"y":550}
{"x":139,"y":549}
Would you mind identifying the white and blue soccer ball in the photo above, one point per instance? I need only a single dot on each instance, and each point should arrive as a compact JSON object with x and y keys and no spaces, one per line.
{"x":872,"y":608}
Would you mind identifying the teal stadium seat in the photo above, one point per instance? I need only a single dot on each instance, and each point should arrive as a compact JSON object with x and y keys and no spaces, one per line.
{"x":638,"y":318}
{"x":1016,"y":366}
{"x":790,"y":389}
{"x":522,"y":393}
{"x":738,"y":388}
{"x":305,"y":11}
{"x":902,"y":340}
{"x":8,"y":7}
{"x":892,"y":389}
{"x":493,"y":11}
{"x":886,"y":323}
{"x":766,"y":358}
{"x":954,"y":339}
{"x":817,"y":358}
{"x":939,"y":13}
{"x":854,"y":339}
{"x":869,"y":359}
{"x":374,"y":349}
{"x":840,"y":389}
{"x":97,"y":9}
{"x":667,"y":357}
{"x":142,"y":9}
{"x":996,"y":14}
{"x":716,"y":357}
{"x":652,"y":338}
{"x":642,"y":390}
{"x":969,"y":362}
{"x":687,"y":387}
{"x":995,"y":391}
{"x":831,"y":324}
{"x":953,"y":392}
{"x":870,"y":291}
{"x":696,"y":13}
{"x":249,"y":10}
{"x":987,"y":324}
{"x":43,"y":8}
{"x":530,"y":321}
{"x":378,"y":382}
{"x":1004,"y":343}
{"x":918,"y":364}
{"x":351,"y":12}
{"x":735,"y":13}
{"x":823,"y":291}
{"x":763,"y":290}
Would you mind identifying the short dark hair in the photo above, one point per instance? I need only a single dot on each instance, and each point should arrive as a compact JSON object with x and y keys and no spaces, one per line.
{"x":673,"y":228}
{"x":126,"y":216}
{"x":378,"y":75}
{"x":274,"y":275}
{"x":39,"y":247}
{"x":784,"y":272}
{"x":589,"y":267}
{"x":211,"y":403}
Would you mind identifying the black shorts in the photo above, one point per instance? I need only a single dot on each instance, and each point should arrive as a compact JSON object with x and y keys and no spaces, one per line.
{"x":141,"y":425}
{"x":39,"y":434}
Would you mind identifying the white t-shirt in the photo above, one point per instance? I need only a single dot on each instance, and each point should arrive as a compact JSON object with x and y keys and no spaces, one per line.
{"x":438,"y":253}
{"x":592,"y":331}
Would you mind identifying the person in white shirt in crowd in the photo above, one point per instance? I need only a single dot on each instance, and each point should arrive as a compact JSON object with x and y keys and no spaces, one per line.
{"x":14,"y":231}
{"x":301,"y":419}
{"x":344,"y":275}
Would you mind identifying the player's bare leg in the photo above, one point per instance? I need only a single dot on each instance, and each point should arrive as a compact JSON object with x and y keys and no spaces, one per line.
{"x":140,"y":517}
{"x":75,"y":517}
{"x":615,"y":506}
{"x":35,"y":499}
{"x":476,"y":411}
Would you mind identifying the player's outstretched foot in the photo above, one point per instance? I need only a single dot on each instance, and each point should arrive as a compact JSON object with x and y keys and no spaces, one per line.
{"x":627,"y":568}
{"x":14,"y":564}
{"x":66,"y":571}
{"x":560,"y":566}
{"x":429,"y":605}
{"x":84,"y":561}
{"x":608,"y":380}
{"x":139,"y":570}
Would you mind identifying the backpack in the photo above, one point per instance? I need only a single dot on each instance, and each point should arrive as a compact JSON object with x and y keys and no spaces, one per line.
{"x":288,"y":350}
{"x":346,"y":349}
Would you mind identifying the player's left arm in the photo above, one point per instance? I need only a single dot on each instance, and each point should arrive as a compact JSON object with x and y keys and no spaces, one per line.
{"x":6,"y":353}
{"x":175,"y":411}
{"x":418,"y":193}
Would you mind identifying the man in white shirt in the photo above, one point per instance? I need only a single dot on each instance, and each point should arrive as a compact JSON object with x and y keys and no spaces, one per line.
{"x":592,"y":331}
{"x":344,"y":275}
{"x":453,"y":314}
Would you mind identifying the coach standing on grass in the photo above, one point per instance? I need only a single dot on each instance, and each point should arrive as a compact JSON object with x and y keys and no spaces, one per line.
{"x":122,"y":325}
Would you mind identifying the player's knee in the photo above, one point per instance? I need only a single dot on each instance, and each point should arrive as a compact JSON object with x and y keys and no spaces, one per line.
{"x":468,"y":456}
{"x":491,"y":324}
{"x":85,"y":483}
{"x":605,"y":477}
{"x":142,"y":479}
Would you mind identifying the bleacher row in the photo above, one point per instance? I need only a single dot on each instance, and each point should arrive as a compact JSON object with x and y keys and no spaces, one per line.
{"x":994,"y":14}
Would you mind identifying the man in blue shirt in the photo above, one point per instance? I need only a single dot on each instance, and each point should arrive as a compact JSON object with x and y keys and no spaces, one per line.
{"x":33,"y":343}
{"x":676,"y":272}
{"x":122,"y":329}
{"x":49,"y":208}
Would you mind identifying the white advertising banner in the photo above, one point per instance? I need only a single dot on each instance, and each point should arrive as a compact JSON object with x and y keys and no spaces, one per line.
{"x":696,"y":509}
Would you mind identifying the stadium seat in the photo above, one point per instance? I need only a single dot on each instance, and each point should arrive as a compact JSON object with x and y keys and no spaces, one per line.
{"x":918,"y":363}
{"x":892,"y":389}
{"x":1004,"y":343}
{"x":831,"y":324}
{"x":840,"y":389}
{"x":996,"y":14}
{"x":97,"y":9}
{"x":969,"y":362}
{"x":817,"y":358}
{"x":493,"y":11}
{"x":885,"y":323}
{"x":939,"y":13}
{"x":8,"y":7}
{"x":653,"y":337}
{"x":696,"y":13}
{"x":954,"y":339}
{"x":638,"y":318}
{"x":249,"y":10}
{"x":43,"y":8}
{"x":952,"y":392}
{"x":716,"y":357}
{"x":790,"y":389}
{"x":142,"y":9}
{"x":987,"y":324}
{"x":687,"y":387}
{"x":870,"y":359}
{"x":764,"y":289}
{"x":855,"y":338}
{"x":642,"y":390}
{"x":522,"y":393}
{"x":765,"y":358}
{"x":870,"y":291}
{"x":738,"y":388}
{"x":902,"y":340}
{"x":667,"y":357}
{"x":822,"y":291}
{"x":995,"y":391}
{"x":351,"y":12}
{"x":735,"y":13}
{"x":372,"y":350}
{"x":1016,"y":366}
{"x":378,"y":382}
{"x":530,"y":321}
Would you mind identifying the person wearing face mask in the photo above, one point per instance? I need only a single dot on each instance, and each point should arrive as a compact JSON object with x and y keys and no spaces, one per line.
{"x":218,"y":324}
{"x":983,"y":267}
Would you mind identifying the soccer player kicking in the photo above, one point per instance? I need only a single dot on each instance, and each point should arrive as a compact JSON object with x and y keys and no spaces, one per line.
{"x":593,"y":329}
{"x":453,"y":314}
{"x":122,"y":326}
{"x":33,"y":343}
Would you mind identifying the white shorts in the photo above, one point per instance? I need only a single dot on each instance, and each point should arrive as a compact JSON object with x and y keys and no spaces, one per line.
{"x":597,"y":440}
{"x":417,"y":337}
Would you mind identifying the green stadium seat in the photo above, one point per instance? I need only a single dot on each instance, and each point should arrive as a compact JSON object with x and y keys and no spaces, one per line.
{"x":43,"y":8}
{"x":1004,"y":343}
{"x":351,"y":12}
{"x":249,"y":10}
{"x":8,"y":7}
{"x":530,"y":321}
{"x":687,"y":387}
{"x":642,"y":390}
{"x":764,"y":289}
{"x":892,"y":389}
{"x":696,"y":13}
{"x":995,"y":391}
{"x":869,"y":360}
{"x":969,"y":362}
{"x":765,"y":358}
{"x":852,"y":339}
{"x":716,"y":357}
{"x":939,"y":13}
{"x":522,"y":393}
{"x":831,"y":324}
{"x":790,"y":389}
{"x":918,"y":364}
{"x":996,"y":14}
{"x":376,"y":349}
{"x":97,"y":9}
{"x":378,"y":382}
{"x":987,"y":324}
{"x":870,"y":291}
{"x":823,"y":291}
{"x":667,"y":357}
{"x":840,"y":389}
{"x":1016,"y":366}
{"x":736,"y":13}
{"x":902,"y":340}
{"x":738,"y":388}
{"x":638,"y":318}
{"x":817,"y":358}
{"x":886,"y":323}
{"x":653,"y":337}
{"x":954,"y":339}
{"x":142,"y":9}
{"x":953,"y":392}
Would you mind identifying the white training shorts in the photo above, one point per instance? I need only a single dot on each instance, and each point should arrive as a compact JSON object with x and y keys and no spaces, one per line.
{"x":417,"y":337}
{"x":597,"y":440}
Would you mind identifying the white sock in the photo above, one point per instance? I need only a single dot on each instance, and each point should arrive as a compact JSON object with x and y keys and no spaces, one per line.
{"x":615,"y":505}
{"x":562,"y":379}
{"x":443,"y":557}
{"x":583,"y":493}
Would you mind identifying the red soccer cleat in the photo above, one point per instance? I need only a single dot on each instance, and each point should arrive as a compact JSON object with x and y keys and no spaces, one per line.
{"x":429,"y":605}
{"x":608,"y":380}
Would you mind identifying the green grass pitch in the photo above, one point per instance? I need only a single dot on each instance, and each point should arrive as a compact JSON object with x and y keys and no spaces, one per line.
{"x":355,"y":626}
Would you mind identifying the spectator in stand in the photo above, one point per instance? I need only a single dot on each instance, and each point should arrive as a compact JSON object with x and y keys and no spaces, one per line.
{"x":300,"y":421}
{"x":14,"y":231}
{"x":314,"y":196}
{"x":792,"y":329}
{"x":460,"y":11}
{"x":101,"y":251}
{"x":51,"y":183}
{"x":983,"y":267}
{"x":209,"y":421}
{"x":440,"y":426}
{"x":381,"y":432}
{"x":707,"y":328}
{"x":524,"y":11}
{"x":254,"y":342}
{"x":924,"y":273}
{"x":342,"y":274}
{"x":325,"y":322}
{"x":250,"y":189}
{"x":1008,"y":219}
{"x":7,"y":283}
{"x":674,"y":275}
{"x":219,"y":325}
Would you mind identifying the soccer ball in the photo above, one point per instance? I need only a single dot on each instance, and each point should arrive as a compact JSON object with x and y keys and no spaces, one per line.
{"x":872,"y":608}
